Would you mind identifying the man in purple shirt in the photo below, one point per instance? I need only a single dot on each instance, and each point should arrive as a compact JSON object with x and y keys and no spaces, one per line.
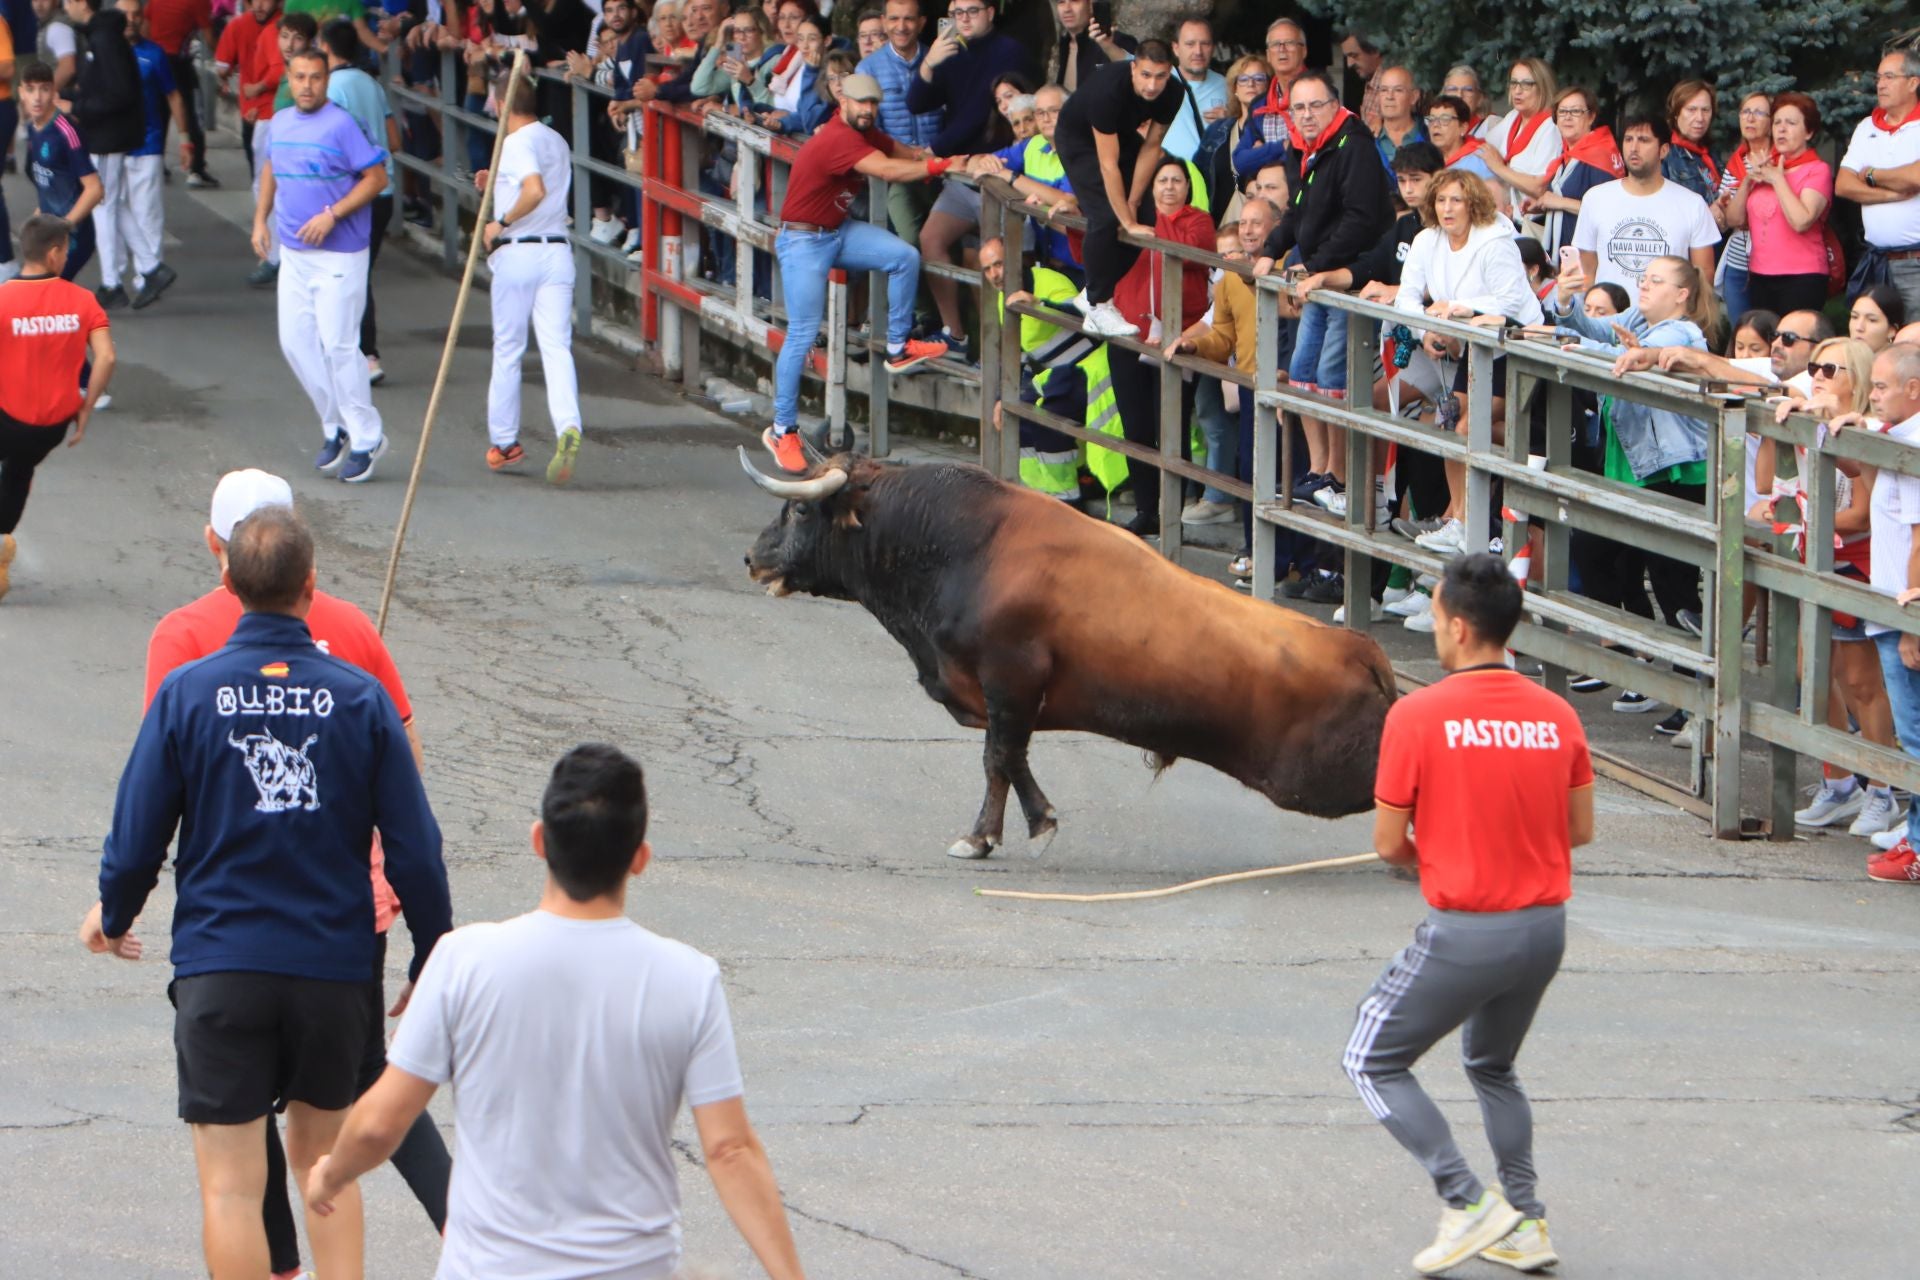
{"x":318,"y":181}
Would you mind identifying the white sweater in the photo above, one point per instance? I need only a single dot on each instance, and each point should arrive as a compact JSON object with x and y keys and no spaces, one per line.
{"x":1487,"y":275}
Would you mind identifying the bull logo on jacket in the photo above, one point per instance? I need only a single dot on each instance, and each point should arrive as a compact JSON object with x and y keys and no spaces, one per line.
{"x":282,"y":775}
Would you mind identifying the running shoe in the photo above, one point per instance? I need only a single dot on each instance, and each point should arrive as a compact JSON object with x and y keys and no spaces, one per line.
{"x":1586,"y":684}
{"x":359,"y":465}
{"x":1412,"y":529}
{"x":110,"y":299}
{"x":200,"y":179}
{"x":1899,"y":865}
{"x":264,"y":276}
{"x":565,"y":454}
{"x":1831,"y":805}
{"x":498,"y":458}
{"x":331,"y":455}
{"x":1880,"y":813}
{"x":1448,"y":540}
{"x":1632,"y":703}
{"x":1421,"y":623}
{"x":917,"y":353}
{"x":162,"y":277}
{"x":1890,"y":839}
{"x":1417,"y":603}
{"x":1465,"y":1232}
{"x":1673,"y":724}
{"x":786,"y":450}
{"x":1525,"y":1248}
{"x":1105,"y":321}
{"x":376,"y":374}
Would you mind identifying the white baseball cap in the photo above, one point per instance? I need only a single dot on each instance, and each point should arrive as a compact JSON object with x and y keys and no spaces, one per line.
{"x":241,"y":493}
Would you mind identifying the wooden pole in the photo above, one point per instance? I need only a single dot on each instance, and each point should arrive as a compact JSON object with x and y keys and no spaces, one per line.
{"x":1139,"y":895}
{"x":515,"y":73}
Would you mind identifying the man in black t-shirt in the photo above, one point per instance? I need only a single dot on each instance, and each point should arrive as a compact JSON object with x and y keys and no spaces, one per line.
{"x":1110,"y":160}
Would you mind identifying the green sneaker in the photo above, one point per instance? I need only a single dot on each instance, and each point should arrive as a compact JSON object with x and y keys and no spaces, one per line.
{"x":1465,"y":1232}
{"x":1525,"y":1248}
{"x":566,"y":452}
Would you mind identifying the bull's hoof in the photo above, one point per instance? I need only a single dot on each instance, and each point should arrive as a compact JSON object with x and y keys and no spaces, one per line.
{"x":1041,"y":832}
{"x":971,"y":847}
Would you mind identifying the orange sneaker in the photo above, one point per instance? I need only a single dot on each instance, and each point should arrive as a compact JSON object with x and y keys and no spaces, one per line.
{"x":498,"y":457}
{"x":915,"y":353}
{"x":786,"y":450}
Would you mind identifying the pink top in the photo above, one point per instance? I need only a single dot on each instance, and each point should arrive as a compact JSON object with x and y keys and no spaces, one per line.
{"x":1779,"y":250}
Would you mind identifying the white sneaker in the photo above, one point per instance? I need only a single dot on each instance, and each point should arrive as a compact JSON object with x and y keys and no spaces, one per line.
{"x":1394,"y":594}
{"x":606,"y":230}
{"x":1447,"y":540}
{"x":1411,"y":605}
{"x":1340,"y":614}
{"x":104,"y":402}
{"x":1830,"y":806}
{"x":1525,"y":1248}
{"x":1204,"y":512}
{"x":1892,"y":836}
{"x":1879,"y":813}
{"x":1684,"y":738}
{"x":1082,"y":303}
{"x":632,"y":241}
{"x":1421,"y":622}
{"x":1465,"y":1232}
{"x":1105,"y":321}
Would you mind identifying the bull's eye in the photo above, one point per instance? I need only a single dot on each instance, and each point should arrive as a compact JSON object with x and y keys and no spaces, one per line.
{"x":803,"y":510}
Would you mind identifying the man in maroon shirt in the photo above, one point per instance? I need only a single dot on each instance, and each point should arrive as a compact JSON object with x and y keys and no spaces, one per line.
{"x":816,"y":237}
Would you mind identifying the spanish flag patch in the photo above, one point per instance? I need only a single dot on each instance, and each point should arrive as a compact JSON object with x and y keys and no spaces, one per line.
{"x":278,"y":670}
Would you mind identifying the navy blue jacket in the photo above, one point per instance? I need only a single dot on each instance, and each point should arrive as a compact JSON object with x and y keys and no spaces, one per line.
{"x":275,"y":762}
{"x":963,"y":87}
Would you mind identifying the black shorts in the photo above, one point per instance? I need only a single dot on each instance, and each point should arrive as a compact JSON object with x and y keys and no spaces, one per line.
{"x":247,"y":1043}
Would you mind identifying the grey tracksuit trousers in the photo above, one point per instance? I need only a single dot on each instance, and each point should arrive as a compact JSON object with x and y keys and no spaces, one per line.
{"x":1486,"y":971}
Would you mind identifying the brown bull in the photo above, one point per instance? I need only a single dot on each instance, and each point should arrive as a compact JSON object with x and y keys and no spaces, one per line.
{"x":1022,"y":614}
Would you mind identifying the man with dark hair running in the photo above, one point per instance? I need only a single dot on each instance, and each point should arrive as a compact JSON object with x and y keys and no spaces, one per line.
{"x":570,"y":1172}
{"x":1492,"y":773}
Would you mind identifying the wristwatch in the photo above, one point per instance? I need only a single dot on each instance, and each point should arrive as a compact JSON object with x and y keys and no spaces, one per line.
{"x":1866,"y":176}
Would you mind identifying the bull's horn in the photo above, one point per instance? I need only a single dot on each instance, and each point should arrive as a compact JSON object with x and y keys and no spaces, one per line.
{"x":821,"y":486}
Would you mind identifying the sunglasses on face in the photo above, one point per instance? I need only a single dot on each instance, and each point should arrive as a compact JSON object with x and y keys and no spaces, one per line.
{"x":1788,"y":340}
{"x":1825,"y":370}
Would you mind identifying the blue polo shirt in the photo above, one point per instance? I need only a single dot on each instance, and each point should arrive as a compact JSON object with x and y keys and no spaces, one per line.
{"x":317,"y":158}
{"x":57,"y":160}
{"x":156,"y":85}
{"x":274,"y":763}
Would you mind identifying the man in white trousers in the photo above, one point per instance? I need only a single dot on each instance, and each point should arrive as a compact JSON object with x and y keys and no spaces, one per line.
{"x":318,"y":179}
{"x":140,"y":216}
{"x":532,"y":266}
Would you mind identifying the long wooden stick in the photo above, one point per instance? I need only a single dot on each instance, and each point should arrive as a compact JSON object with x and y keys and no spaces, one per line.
{"x":515,"y":73}
{"x":1358,"y":859}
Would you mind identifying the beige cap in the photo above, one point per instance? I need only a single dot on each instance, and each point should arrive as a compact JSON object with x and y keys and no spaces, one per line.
{"x":860,"y":88}
{"x":241,"y":493}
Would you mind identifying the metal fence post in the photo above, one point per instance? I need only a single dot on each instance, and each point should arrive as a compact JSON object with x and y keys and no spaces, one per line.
{"x":1728,"y":619}
{"x":879,"y":390}
{"x":582,"y":208}
{"x":994,"y":427}
{"x":1266,"y":380}
{"x":1362,"y":342}
{"x":452,"y":85}
{"x":834,"y":398}
{"x":1479,"y":442}
{"x":1174,"y":427}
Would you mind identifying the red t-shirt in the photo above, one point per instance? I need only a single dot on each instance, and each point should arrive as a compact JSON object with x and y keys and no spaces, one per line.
{"x":195,"y":630}
{"x":44,"y":326}
{"x":253,"y":51}
{"x":171,"y":22}
{"x":822,"y":183}
{"x":1484,"y":761}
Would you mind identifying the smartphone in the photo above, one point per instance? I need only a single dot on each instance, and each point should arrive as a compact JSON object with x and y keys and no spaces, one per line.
{"x":1103,"y":14}
{"x":945,"y":26}
{"x":1569,"y":257}
{"x":737,"y":51}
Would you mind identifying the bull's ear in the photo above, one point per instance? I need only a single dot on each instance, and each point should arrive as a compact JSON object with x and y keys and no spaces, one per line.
{"x":847,"y":505}
{"x":847,"y":517}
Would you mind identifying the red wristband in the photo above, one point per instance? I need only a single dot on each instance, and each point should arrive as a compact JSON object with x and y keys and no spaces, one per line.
{"x":939,"y":165}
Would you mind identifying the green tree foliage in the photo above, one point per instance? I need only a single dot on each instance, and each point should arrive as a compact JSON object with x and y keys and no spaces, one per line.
{"x":1633,"y":51}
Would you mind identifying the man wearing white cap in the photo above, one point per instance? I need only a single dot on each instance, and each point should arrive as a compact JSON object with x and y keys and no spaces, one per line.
{"x":192,"y":632}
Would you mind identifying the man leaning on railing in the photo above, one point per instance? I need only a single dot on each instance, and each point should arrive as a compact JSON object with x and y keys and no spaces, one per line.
{"x":817,"y":236}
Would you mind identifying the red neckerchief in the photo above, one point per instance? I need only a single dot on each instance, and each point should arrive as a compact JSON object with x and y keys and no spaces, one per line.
{"x":1805,"y":157}
{"x":1597,"y":149}
{"x":1737,"y":163}
{"x":1278,"y":106}
{"x":1465,"y":149}
{"x":1881,"y":120}
{"x":1474,"y":124}
{"x":1310,"y":149}
{"x":1699,"y":152}
{"x":1521,"y":132}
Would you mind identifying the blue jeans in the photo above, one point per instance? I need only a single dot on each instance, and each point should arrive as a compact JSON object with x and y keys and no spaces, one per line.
{"x":805,"y":259}
{"x":1219,"y":430}
{"x":1733,"y":291}
{"x":1320,"y":351}
{"x":1903,"y":691}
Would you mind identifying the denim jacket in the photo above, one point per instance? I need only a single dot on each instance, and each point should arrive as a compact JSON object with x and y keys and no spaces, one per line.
{"x":1653,"y":439}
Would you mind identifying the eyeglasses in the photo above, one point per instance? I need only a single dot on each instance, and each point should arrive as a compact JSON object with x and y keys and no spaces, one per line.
{"x":1286,"y":44}
{"x":1788,"y":339}
{"x":1894,"y":75}
{"x":1571,"y":113}
{"x":1460,"y":90}
{"x":1523,"y":84}
{"x":966,"y":11}
{"x":1443,"y":119}
{"x":1251,"y":79}
{"x":1046,"y":111}
{"x":1308,"y":108}
{"x":1825,"y":370}
{"x":1755,"y":113}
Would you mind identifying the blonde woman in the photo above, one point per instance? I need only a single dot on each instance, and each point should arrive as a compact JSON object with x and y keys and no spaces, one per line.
{"x":1526,"y":142}
{"x":1842,"y":371}
{"x":1247,"y":81}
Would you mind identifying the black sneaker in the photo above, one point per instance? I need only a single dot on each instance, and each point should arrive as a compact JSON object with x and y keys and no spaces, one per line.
{"x":111,"y":299}
{"x":1309,"y":484}
{"x":162,"y":278}
{"x":1143,"y":526}
{"x":1689,"y":622}
{"x":1586,"y":684}
{"x":148,"y":295}
{"x":1326,"y":588}
{"x":201,"y":179}
{"x":1295,"y":588}
{"x":1633,"y":703}
{"x":1672,"y":724}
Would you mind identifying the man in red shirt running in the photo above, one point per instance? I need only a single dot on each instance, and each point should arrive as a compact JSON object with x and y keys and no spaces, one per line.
{"x":49,"y":327}
{"x":1492,"y":773}
{"x":816,"y":237}
{"x":192,"y":632}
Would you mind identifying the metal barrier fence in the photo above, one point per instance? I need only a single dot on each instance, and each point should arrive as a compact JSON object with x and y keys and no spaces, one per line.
{"x":1776,"y":693}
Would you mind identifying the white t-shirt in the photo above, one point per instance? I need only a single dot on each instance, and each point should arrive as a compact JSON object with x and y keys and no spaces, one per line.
{"x":1895,"y":225}
{"x":528,"y":150}
{"x":1629,"y":231}
{"x":569,"y":1044}
{"x":1801,"y":384}
{"x":60,"y":42}
{"x":1895,"y":510}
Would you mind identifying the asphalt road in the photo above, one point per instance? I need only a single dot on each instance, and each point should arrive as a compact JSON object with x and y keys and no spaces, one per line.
{"x":948,"y":1086}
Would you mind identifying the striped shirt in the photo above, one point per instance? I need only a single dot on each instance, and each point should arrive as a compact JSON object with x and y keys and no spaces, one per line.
{"x":56,"y":161}
{"x":317,"y":157}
